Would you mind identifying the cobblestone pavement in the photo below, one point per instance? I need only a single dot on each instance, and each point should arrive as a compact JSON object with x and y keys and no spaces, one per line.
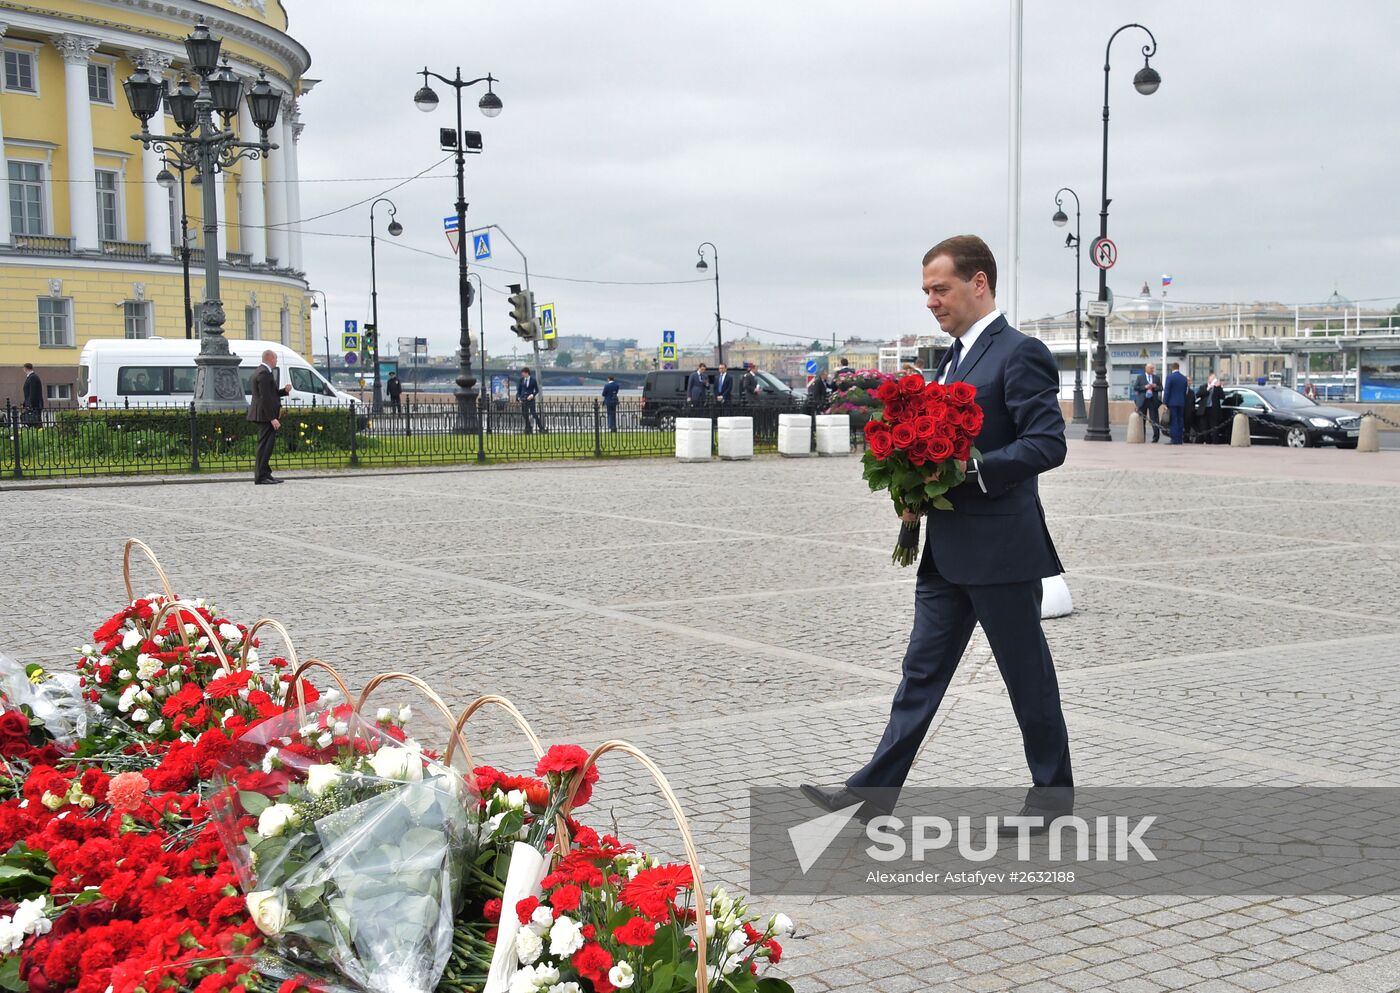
{"x":741,"y":622}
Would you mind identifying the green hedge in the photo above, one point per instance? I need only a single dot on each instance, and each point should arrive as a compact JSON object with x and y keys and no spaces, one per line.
{"x":166,"y":433}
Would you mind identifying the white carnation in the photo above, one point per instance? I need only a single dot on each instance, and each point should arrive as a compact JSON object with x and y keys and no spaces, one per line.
{"x":131,"y":639}
{"x":565,"y":937}
{"x":542,"y":919}
{"x":528,"y":946}
{"x":146,"y":666}
{"x":128,"y":695}
{"x":230,"y":633}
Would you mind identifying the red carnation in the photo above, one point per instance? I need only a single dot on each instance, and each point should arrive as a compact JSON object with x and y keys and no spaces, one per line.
{"x":962,"y":394}
{"x":775,"y":951}
{"x":526,"y":908}
{"x":593,"y":962}
{"x":911,"y":385}
{"x":903,"y":435}
{"x":565,"y":899}
{"x":492,"y":910}
{"x":638,"y":932}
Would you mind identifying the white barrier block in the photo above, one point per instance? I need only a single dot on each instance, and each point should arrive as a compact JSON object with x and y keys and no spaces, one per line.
{"x":795,"y":435}
{"x":833,"y":434}
{"x":1055,"y":600}
{"x":693,"y":439}
{"x":736,"y":437}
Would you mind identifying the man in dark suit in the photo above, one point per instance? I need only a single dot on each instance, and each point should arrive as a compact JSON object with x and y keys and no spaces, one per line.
{"x":1176,"y":395}
{"x":265,"y":411}
{"x":1147,"y":394}
{"x":32,"y":413}
{"x":527,"y":389}
{"x":724,"y":386}
{"x":1213,"y":403}
{"x":697,"y":389}
{"x":984,"y":560}
{"x":395,"y":387}
{"x":748,"y":384}
{"x":610,"y":391}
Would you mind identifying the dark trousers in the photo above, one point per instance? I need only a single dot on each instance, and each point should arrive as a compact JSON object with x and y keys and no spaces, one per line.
{"x":395,"y":406}
{"x":267,"y":437}
{"x":612,"y":419}
{"x":1150,"y":410}
{"x":944,"y":615}
{"x":1178,"y":423}
{"x":528,"y":410}
{"x":1215,"y":420}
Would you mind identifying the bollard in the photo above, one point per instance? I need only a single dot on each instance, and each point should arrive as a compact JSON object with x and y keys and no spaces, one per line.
{"x":1369,"y":440}
{"x":1137,"y":432}
{"x":735,"y":438}
{"x":833,"y":434}
{"x":1055,"y":600}
{"x":692,"y":439}
{"x":794,"y":435}
{"x":1239,"y":432}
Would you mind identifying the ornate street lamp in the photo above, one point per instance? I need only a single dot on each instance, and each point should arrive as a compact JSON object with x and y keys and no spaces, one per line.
{"x":719,"y":328}
{"x":1060,"y":219}
{"x":1145,"y":82}
{"x":490,"y":105}
{"x":208,"y":149}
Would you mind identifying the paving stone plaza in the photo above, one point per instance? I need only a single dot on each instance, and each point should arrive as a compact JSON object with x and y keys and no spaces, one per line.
{"x":1236,"y":623}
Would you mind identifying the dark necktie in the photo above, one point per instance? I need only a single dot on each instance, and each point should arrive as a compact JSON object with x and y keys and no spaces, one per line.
{"x":953,"y":363}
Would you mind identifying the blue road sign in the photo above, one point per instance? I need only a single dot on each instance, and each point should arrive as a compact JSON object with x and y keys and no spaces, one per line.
{"x":449,"y":223}
{"x":481,"y":245}
{"x":811,"y":367}
{"x":668,"y":337}
{"x":351,"y":358}
{"x":352,"y":327}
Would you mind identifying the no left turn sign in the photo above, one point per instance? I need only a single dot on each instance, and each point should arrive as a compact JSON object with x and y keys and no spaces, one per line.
{"x":1104,"y":253}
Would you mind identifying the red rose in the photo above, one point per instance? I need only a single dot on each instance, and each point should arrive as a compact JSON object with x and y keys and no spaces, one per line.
{"x":940,"y":448}
{"x":873,"y":428}
{"x":14,"y":732}
{"x":896,"y":410}
{"x":887,"y":391}
{"x":903,"y":435}
{"x":918,"y":454}
{"x":925,"y":426}
{"x":911,"y":385}
{"x":971,"y":420}
{"x":881,"y":445}
{"x":962,"y":394}
{"x":937,"y":409}
{"x":934,"y":391}
{"x":963,"y":448}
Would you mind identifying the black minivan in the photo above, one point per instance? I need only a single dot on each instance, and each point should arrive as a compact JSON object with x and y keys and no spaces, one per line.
{"x":665,"y":396}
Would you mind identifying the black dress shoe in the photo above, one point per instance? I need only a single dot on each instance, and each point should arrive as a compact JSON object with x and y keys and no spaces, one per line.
{"x":831,"y":799}
{"x":269,"y":481}
{"x":1045,"y":802}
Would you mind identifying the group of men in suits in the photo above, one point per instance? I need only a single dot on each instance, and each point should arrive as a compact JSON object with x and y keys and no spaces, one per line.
{"x":1203,"y":409}
{"x":984,"y":560}
{"x":698,"y":390}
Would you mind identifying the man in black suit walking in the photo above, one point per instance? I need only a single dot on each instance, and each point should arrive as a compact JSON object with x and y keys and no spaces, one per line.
{"x":265,"y":411}
{"x":527,"y":389}
{"x":32,"y":413}
{"x":984,"y":560}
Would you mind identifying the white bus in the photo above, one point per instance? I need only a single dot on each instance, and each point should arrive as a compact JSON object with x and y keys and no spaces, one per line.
{"x":119,"y":371}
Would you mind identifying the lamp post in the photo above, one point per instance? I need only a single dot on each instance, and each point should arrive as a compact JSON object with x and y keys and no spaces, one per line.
{"x":1060,"y":219}
{"x":395,"y":229}
{"x":490,"y":105}
{"x":1145,"y":81}
{"x":325,"y":308}
{"x":481,"y":330}
{"x":166,"y":179}
{"x":207,"y":148}
{"x":719,"y":328}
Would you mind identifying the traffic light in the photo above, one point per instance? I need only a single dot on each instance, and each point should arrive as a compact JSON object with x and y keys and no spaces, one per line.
{"x":522,"y":313}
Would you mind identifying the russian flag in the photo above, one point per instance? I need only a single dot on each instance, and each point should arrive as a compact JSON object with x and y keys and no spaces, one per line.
{"x":1166,"y":279}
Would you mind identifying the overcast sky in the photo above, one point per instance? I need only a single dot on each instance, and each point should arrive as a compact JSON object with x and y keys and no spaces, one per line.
{"x":825,"y":146}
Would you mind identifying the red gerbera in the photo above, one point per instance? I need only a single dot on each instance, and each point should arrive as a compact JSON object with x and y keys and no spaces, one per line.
{"x":228,"y":686}
{"x":652,"y":891}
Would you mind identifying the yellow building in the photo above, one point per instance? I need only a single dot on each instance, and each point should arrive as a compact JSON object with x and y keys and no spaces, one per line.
{"x":89,"y":241}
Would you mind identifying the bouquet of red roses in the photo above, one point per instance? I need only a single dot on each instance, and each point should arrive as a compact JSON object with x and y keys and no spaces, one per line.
{"x":917,"y":447}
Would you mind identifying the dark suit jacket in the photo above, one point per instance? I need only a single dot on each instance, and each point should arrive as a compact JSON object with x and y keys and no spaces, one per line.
{"x":1140,"y":385}
{"x":33,"y":392}
{"x":1213,"y":396}
{"x":1174,"y":393}
{"x":1000,"y":536}
{"x":724,"y":388}
{"x":527,"y":391}
{"x":267,"y":399}
{"x":610,"y":394}
{"x":395,"y":387}
{"x":697,"y":387}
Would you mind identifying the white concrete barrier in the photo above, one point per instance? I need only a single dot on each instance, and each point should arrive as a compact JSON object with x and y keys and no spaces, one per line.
{"x":1055,"y":600}
{"x":1368,"y":441}
{"x":736,"y":438}
{"x":833,"y":434}
{"x":693,"y":439}
{"x":1137,"y":434}
{"x":1239,"y":431}
{"x":795,"y":435}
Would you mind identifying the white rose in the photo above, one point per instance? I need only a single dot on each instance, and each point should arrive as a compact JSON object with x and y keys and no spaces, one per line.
{"x":528,"y":946}
{"x":382,"y":715}
{"x":737,"y":941}
{"x":405,"y":714}
{"x":131,"y":639}
{"x":394,"y":762}
{"x":515,"y":799}
{"x":128,"y":696}
{"x":140,"y":716}
{"x":268,"y":910}
{"x":621,"y":976}
{"x":156,"y":727}
{"x":320,"y":778}
{"x":275,"y":819}
{"x":565,"y":937}
{"x":781,"y":925}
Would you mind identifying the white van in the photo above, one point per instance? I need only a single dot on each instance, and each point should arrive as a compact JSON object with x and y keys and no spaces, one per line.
{"x":118,"y":371}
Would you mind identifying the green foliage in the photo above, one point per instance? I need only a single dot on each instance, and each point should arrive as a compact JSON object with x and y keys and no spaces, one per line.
{"x":141,"y":435}
{"x":564,"y":359}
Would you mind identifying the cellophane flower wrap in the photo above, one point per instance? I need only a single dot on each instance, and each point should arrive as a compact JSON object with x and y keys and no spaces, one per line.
{"x":52,"y":703}
{"x":351,"y":845}
{"x":917,"y":448}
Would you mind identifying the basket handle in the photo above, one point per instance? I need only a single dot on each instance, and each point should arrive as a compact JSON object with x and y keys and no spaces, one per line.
{"x":192,"y":611}
{"x":433,"y":698}
{"x":702,"y":904}
{"x":145,"y":549}
{"x":300,"y":690}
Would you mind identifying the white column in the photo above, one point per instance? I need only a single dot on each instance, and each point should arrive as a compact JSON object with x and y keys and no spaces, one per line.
{"x":155,"y":200}
{"x":292,"y":127}
{"x":277,"y":216}
{"x":76,"y":50}
{"x":4,"y":176}
{"x":253,"y":217}
{"x":225,"y":221}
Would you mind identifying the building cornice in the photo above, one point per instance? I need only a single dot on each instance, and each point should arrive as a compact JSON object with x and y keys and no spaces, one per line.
{"x":153,"y":267}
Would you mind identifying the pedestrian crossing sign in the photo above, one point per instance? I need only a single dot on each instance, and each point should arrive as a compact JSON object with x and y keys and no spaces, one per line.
{"x":350,"y":341}
{"x":546,"y":321}
{"x":481,"y":246}
{"x":668,"y":353}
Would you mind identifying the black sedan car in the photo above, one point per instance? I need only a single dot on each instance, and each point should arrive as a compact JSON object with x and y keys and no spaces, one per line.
{"x":1289,"y":418}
